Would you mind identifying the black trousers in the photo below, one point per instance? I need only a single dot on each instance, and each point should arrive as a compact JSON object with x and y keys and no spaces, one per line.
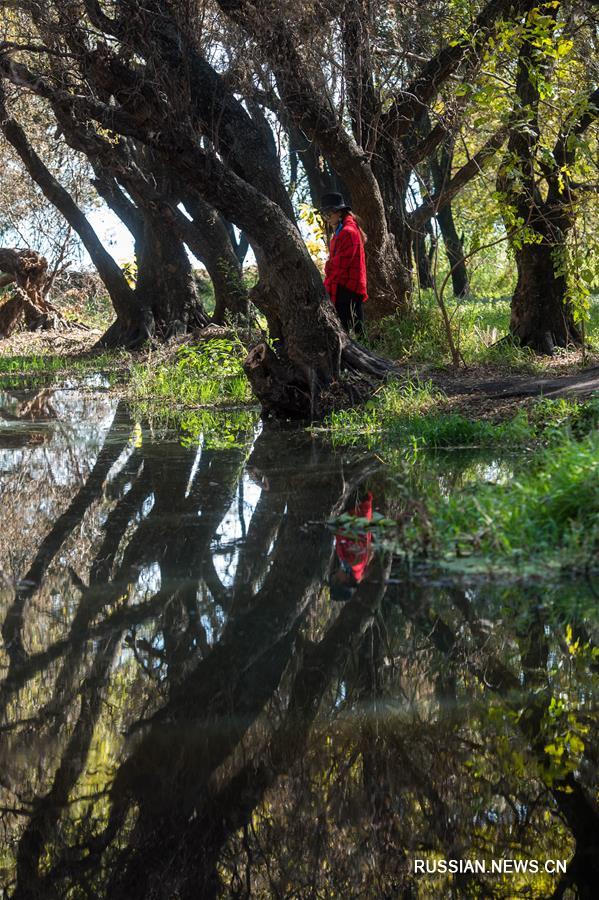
{"x":350,"y":309}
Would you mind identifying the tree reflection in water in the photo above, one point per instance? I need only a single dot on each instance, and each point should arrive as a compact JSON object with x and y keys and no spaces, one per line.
{"x":178,"y":726}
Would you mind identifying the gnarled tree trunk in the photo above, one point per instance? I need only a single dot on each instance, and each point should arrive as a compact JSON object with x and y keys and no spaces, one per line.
{"x":211,"y":243}
{"x":541,"y":317}
{"x":28,"y":271}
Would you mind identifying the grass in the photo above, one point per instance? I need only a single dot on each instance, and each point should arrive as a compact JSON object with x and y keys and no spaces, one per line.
{"x":538,"y":513}
{"x":210,"y":374}
{"x":413,"y":414}
{"x":480,"y":328}
{"x":116,"y":363}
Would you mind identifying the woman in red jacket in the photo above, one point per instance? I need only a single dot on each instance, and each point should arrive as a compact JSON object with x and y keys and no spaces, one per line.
{"x":345,"y":269}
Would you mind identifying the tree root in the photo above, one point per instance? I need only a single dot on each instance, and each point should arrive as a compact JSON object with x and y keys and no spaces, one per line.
{"x":287,"y":392}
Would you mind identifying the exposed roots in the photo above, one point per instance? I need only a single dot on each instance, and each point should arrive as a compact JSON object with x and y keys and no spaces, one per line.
{"x":285,"y":391}
{"x":130,"y":335}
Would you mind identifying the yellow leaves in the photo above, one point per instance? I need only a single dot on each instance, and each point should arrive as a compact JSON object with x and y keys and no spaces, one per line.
{"x":563,"y":48}
{"x":111,"y":137}
{"x":573,"y":646}
{"x":137,"y":436}
{"x":129,"y":268}
{"x":314,"y":231}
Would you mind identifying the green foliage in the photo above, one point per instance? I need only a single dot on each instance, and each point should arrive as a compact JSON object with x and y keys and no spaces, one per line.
{"x":580,"y":268}
{"x":109,"y":363}
{"x":556,"y":420}
{"x":205,"y":291}
{"x":411,"y":414}
{"x":207,"y":373}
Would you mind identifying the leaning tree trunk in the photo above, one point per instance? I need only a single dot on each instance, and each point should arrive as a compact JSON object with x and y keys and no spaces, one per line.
{"x":165,"y":280}
{"x":28,"y":271}
{"x":211,"y":243}
{"x":454,"y":249}
{"x":541,"y":317}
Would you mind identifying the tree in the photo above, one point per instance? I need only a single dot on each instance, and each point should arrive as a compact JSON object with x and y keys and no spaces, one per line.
{"x":198,"y":134}
{"x":441,"y":166}
{"x":377,"y":156}
{"x":537,"y":181}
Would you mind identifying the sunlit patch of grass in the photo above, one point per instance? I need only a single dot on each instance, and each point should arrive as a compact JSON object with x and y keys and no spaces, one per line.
{"x":36,"y":364}
{"x":480,"y":330}
{"x":415,"y":414}
{"x":208,"y":374}
{"x":392,"y":401}
{"x":412,"y":414}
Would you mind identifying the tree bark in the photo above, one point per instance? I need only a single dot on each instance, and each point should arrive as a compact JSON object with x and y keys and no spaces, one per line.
{"x":541,"y":318}
{"x":422,"y":257}
{"x":441,"y":166}
{"x":454,"y":249}
{"x":165,"y":283}
{"x":212,"y":245}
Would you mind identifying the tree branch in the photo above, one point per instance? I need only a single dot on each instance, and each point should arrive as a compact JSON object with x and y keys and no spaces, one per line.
{"x":413,"y":101}
{"x":468,"y":171}
{"x":109,"y":271}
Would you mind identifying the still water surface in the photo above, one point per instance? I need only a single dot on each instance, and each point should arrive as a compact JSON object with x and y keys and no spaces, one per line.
{"x":207,"y":692}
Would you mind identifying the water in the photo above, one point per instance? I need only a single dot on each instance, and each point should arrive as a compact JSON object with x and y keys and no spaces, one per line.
{"x":186,"y":713}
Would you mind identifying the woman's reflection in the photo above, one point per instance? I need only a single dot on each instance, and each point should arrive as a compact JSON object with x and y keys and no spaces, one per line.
{"x":354,"y":551}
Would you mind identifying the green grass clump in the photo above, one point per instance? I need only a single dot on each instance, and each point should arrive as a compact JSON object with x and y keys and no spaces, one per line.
{"x":393,"y":400}
{"x":456,"y":431}
{"x":209,"y":373}
{"x":556,"y":419}
{"x":551,"y":508}
{"x":88,"y":363}
{"x":411,"y":414}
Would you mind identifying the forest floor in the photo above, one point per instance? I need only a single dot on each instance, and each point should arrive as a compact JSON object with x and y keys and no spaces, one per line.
{"x":478,"y":391}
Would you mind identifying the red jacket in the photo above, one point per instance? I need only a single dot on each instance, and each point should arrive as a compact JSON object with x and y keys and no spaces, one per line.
{"x":346,"y":265}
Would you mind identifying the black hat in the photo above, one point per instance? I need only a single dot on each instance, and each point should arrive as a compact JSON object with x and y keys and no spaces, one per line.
{"x":333,"y":203}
